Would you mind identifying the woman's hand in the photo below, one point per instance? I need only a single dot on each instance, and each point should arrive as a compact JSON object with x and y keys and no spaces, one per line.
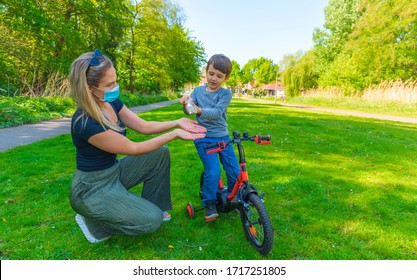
{"x":185,"y":135}
{"x":190,"y":125}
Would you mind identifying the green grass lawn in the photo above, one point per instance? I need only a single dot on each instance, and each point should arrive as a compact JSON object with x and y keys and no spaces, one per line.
{"x":337,"y":187}
{"x":386,"y":107}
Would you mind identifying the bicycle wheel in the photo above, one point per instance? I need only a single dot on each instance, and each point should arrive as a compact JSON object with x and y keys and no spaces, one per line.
{"x":256,"y":224}
{"x":190,"y":210}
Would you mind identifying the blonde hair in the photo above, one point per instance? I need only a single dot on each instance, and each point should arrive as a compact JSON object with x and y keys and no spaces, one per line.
{"x":81,"y":75}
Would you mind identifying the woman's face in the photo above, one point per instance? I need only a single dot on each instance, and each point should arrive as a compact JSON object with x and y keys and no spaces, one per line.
{"x":107,"y":82}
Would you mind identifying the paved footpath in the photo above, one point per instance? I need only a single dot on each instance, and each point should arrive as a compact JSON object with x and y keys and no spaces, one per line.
{"x":342,"y":112}
{"x":355,"y":113}
{"x":29,"y":133}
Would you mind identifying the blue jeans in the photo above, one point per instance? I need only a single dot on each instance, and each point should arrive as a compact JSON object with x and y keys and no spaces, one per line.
{"x":212,"y":172}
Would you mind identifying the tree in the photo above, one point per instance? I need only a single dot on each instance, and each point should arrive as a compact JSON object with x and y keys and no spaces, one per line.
{"x":299,"y":75}
{"x":47,"y":35}
{"x":340,"y":16}
{"x":234,"y":80}
{"x":363,"y":43}
{"x":290,"y":59}
{"x":185,"y":59}
{"x":259,"y":71}
{"x":159,"y":52}
{"x":381,"y":48}
{"x":146,"y":40}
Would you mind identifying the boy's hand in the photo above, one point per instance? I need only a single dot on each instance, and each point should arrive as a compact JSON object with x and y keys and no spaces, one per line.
{"x":184,"y":99}
{"x":189,"y":105}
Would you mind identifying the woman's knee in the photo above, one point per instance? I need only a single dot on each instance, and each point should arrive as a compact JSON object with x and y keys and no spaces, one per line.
{"x":154,"y":220}
{"x":161,"y":157}
{"x":147,"y":223}
{"x":163,"y":151}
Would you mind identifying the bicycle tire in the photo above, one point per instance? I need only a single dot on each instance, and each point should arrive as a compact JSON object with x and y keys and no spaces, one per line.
{"x":190,"y":210}
{"x":256,"y":224}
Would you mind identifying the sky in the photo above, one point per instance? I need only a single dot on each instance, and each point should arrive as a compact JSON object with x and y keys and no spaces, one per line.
{"x":246,"y":29}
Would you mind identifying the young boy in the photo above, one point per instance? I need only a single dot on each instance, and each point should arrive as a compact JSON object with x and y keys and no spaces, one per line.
{"x":210,"y":103}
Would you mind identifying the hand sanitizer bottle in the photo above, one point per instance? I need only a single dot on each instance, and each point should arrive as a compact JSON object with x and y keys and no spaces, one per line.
{"x":190,"y":107}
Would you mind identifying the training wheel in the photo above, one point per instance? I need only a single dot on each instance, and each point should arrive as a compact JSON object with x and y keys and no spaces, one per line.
{"x":190,"y":210}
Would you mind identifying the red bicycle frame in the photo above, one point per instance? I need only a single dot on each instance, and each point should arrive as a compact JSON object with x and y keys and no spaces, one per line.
{"x":243,"y":177}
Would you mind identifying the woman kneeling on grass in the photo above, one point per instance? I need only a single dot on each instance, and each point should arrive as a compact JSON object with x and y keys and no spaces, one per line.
{"x":99,"y":191}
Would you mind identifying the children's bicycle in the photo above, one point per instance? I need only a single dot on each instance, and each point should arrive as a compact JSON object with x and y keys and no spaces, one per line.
{"x":244,"y":197}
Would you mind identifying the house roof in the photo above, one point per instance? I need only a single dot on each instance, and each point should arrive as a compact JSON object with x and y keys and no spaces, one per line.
{"x":272,"y":87}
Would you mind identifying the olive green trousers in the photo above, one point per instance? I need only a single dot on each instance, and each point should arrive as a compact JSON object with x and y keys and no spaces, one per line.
{"x":103,"y":197}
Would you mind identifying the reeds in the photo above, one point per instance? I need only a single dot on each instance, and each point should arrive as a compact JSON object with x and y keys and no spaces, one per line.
{"x":400,"y":91}
{"x":56,"y":84}
{"x":397,"y":91}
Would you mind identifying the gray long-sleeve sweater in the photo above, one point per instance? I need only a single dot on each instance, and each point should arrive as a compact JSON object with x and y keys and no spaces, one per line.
{"x":214,"y":107}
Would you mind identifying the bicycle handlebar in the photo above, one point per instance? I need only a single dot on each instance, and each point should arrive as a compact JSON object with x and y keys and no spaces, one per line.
{"x":262,"y":140}
{"x":220,"y":146}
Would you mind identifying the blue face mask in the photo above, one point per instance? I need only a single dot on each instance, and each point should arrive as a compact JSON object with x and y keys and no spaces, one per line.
{"x":109,"y":95}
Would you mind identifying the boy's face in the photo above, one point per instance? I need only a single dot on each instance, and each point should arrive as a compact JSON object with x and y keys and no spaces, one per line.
{"x":215,"y":78}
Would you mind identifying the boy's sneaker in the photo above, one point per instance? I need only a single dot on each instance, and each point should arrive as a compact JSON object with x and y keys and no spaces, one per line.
{"x":88,"y":235}
{"x":211,"y":211}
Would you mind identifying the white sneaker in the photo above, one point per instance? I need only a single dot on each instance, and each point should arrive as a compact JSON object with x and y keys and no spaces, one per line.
{"x":167,"y":216}
{"x":81,"y":223}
